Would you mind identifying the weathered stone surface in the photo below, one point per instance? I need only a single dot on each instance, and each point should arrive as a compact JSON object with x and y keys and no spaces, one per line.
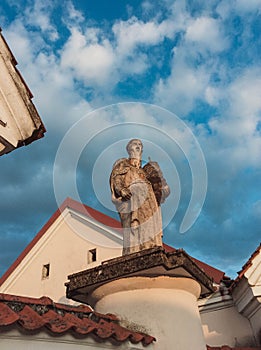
{"x":149,"y":262}
{"x":20,"y":123}
{"x":137,"y":194}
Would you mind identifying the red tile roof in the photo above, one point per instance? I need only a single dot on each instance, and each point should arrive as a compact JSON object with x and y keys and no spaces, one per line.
{"x":226,"y":347}
{"x":33,"y":314}
{"x":106,"y":220}
{"x":91,"y":213}
{"x":246,"y":266}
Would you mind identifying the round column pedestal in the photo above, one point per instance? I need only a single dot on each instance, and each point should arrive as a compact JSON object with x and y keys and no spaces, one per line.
{"x":164,"y":307}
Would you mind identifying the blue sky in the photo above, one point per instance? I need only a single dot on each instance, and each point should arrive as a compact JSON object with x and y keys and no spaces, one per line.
{"x":200,"y":60}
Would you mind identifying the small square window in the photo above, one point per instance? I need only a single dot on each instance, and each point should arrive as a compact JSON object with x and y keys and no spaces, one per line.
{"x":92,"y":255}
{"x":45,"y":271}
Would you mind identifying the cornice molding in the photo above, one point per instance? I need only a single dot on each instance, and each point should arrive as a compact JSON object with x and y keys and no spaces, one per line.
{"x":152,"y":262}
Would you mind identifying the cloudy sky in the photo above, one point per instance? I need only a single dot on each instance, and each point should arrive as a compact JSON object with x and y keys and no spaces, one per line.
{"x":184,"y":76}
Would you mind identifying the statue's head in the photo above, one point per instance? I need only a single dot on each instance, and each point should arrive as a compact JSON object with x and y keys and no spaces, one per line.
{"x":134,"y":148}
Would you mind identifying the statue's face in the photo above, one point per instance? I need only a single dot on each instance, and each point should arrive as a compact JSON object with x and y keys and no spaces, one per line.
{"x":135,"y":148}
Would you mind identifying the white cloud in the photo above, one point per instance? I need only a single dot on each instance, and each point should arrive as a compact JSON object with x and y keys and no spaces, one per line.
{"x":227,"y":9}
{"x":249,"y":5}
{"x":236,"y":147}
{"x":50,"y":82}
{"x":193,"y":64}
{"x":147,"y":7}
{"x":224,"y":8}
{"x":39,"y":15}
{"x":133,"y":32}
{"x":92,"y":60}
{"x":235,"y":142}
{"x":180,"y":91}
{"x":74,"y":14}
{"x":21,"y":43}
{"x":129,"y":66}
{"x":206,"y":32}
{"x":245,"y":93}
{"x":243,"y":111}
{"x":213,"y":95}
{"x":98,"y":59}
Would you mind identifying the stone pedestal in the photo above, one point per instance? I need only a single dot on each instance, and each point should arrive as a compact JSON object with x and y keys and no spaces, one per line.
{"x":152,"y":292}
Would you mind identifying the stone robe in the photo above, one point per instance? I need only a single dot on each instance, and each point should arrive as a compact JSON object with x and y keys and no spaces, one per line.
{"x":140,"y":215}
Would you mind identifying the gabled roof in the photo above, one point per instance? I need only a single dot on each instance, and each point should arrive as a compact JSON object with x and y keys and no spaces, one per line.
{"x":33,"y":314}
{"x":68,"y":203}
{"x":106,"y":220}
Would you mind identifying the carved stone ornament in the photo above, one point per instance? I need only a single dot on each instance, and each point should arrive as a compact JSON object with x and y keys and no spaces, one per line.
{"x":151,"y":262}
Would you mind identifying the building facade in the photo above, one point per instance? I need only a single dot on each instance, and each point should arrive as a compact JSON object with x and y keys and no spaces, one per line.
{"x":20,"y":123}
{"x":79,"y":238}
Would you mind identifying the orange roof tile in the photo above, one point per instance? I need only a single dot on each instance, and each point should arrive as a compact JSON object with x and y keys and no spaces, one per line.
{"x":33,"y":314}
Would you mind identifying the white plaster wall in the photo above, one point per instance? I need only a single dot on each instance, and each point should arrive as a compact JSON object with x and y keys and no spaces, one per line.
{"x":247,"y":300}
{"x":169,"y":312}
{"x":41,"y":341}
{"x":247,"y":295}
{"x":66,"y":252}
{"x":226,"y":326}
{"x":255,"y":321}
{"x":253,"y":275}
